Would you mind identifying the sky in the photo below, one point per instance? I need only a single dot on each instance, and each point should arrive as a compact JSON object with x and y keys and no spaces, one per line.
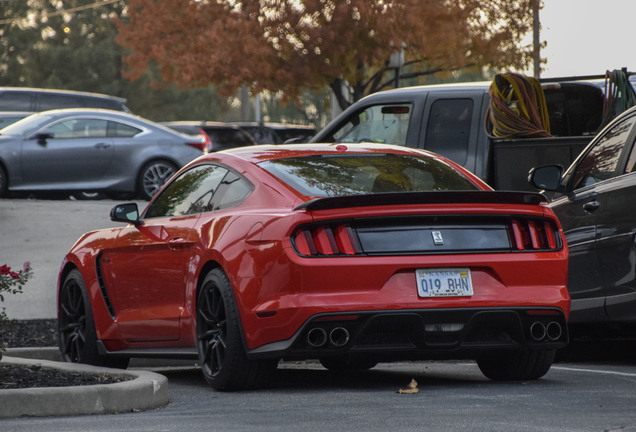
{"x":587,"y":37}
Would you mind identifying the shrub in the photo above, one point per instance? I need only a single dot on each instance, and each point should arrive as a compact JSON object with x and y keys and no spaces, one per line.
{"x":11,"y":282}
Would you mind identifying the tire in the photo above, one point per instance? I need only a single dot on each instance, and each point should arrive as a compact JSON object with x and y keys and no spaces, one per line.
{"x":76,"y":329}
{"x":347,"y":364}
{"x":220,"y":345}
{"x":4,"y":182}
{"x":517,"y":365}
{"x":153,"y":176}
{"x":88,"y":196}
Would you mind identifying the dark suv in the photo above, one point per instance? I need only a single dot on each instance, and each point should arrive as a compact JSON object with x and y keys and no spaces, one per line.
{"x":222,"y":136}
{"x":36,"y":100}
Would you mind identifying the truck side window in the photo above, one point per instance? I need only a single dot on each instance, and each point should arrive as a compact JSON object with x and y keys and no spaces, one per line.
{"x":448,"y":128}
{"x":600,"y":162}
{"x":379,"y":123}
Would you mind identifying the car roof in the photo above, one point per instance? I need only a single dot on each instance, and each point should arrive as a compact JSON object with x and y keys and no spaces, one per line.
{"x":58,"y":91}
{"x":261,"y":153}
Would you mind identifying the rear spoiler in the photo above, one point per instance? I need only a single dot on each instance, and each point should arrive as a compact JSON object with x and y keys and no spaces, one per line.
{"x":441,"y":197}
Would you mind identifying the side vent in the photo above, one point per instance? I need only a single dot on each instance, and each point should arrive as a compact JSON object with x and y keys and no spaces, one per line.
{"x":102,"y":286}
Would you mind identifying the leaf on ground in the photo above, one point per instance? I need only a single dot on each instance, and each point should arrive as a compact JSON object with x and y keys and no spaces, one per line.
{"x":411,"y":388}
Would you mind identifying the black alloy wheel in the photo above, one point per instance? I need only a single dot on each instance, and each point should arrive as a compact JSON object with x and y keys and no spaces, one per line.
{"x":220,"y":346}
{"x":76,"y":330}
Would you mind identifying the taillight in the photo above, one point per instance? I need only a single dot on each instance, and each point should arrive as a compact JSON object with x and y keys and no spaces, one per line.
{"x":325,"y":240}
{"x":205,"y":145}
{"x":534,"y":235}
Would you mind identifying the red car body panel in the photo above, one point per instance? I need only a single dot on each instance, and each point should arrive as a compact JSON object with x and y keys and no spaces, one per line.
{"x":152,"y":271}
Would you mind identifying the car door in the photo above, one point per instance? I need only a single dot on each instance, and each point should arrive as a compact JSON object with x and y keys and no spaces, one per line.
{"x":450,"y":126}
{"x":598,"y":238}
{"x":76,"y":150}
{"x":616,"y":236}
{"x":146,"y":274}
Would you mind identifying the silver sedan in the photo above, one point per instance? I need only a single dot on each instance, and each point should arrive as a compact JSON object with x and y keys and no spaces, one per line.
{"x":92,"y":150}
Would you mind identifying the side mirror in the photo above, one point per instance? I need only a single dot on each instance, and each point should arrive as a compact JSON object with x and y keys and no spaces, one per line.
{"x":546,"y":177}
{"x":128,"y":212}
{"x":42,"y":137}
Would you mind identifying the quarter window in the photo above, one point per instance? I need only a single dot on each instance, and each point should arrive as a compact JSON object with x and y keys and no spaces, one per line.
{"x":601,"y":161}
{"x":121,"y":130}
{"x":201,"y":189}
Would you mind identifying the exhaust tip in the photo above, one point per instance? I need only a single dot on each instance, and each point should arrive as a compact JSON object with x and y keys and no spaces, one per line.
{"x":339,"y":336}
{"x":554,"y":331}
{"x":317,"y":337}
{"x":538,"y":331}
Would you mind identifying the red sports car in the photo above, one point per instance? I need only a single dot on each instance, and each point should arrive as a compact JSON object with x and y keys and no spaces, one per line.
{"x":350,"y":254}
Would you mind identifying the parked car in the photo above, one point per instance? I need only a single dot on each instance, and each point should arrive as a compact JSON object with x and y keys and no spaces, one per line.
{"x":38,"y":99}
{"x":10,"y":117}
{"x":595,"y":201}
{"x":349,"y":254}
{"x":91,"y":150}
{"x":277,"y":133}
{"x":220,"y":136}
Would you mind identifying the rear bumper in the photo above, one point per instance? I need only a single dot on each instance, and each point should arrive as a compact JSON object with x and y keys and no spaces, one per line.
{"x":421,"y":334}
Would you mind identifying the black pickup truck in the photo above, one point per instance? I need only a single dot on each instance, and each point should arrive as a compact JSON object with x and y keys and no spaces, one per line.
{"x":453,"y":120}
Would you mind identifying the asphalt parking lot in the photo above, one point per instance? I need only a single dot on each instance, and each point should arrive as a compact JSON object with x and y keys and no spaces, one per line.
{"x":41,"y":231}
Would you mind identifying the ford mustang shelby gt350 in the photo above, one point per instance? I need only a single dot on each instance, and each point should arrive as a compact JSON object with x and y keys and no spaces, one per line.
{"x":349,"y":254}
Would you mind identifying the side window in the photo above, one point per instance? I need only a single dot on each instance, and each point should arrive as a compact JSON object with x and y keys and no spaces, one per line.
{"x":448,"y":129}
{"x":190,"y":193}
{"x":79,"y":128}
{"x":380,"y":123}
{"x":47,"y":101}
{"x":12,"y":101}
{"x":600,"y":162}
{"x":121,"y":130}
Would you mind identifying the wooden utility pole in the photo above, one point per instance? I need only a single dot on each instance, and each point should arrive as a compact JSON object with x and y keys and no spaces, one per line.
{"x":536,"y":26}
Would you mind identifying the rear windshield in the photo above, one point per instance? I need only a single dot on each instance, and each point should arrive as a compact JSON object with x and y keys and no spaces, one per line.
{"x":363,"y":173}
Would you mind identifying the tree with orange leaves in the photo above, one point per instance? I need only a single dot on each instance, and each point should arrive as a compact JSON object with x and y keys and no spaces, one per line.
{"x":288,"y":45}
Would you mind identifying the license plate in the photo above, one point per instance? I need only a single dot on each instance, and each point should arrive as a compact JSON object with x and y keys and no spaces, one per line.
{"x":451,"y":282}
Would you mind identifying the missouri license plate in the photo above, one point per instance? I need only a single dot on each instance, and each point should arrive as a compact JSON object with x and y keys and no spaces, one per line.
{"x":448,"y":282}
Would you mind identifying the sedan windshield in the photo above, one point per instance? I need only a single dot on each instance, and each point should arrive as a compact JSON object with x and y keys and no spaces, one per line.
{"x":366,"y":173}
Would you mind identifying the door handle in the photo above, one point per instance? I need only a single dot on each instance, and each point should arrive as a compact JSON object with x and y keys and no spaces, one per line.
{"x":102,"y":146}
{"x":176,"y":242}
{"x":591,"y":206}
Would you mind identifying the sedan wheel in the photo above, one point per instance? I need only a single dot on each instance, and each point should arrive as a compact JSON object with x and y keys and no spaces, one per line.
{"x":4,"y":182}
{"x":153,"y":176}
{"x":76,"y":330}
{"x":222,"y":354}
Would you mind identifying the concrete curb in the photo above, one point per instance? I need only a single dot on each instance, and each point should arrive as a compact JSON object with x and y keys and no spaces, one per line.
{"x":146,"y":390}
